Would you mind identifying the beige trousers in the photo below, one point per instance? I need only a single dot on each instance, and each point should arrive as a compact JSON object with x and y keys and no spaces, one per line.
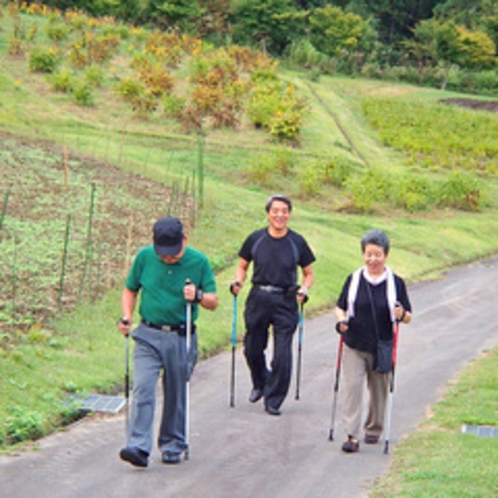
{"x":358,"y":372}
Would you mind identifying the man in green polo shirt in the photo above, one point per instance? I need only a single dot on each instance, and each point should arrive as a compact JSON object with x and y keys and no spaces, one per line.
{"x":160,"y":272}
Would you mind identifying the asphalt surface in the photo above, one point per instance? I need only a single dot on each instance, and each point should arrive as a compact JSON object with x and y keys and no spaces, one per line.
{"x":242,"y":451}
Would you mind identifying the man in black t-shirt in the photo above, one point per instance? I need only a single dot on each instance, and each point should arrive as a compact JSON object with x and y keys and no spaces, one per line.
{"x":276,"y":252}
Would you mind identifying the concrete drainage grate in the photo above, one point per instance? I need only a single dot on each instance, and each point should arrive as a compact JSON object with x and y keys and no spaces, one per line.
{"x":102,"y":404}
{"x":480,"y":430}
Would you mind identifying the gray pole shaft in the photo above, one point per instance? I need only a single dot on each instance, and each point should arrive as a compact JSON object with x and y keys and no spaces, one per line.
{"x":187,"y":384}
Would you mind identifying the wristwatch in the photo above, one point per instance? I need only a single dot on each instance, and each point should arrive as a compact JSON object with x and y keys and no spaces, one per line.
{"x":124,"y":321}
{"x":198,"y":295}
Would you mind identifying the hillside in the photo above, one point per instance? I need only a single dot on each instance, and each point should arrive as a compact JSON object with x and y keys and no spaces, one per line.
{"x":82,"y":184}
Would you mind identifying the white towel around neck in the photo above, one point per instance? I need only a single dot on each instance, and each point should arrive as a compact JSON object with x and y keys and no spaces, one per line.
{"x":390,"y":288}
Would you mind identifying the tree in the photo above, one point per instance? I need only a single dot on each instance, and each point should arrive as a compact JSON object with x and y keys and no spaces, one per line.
{"x":269,"y":24}
{"x":333,"y":31}
{"x":395,"y":18}
{"x":476,"y":49}
{"x":174,"y":13}
{"x":214,"y":21}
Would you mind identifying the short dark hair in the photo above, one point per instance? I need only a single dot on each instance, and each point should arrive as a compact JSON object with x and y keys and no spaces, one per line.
{"x":377,"y":238}
{"x":278,"y":197}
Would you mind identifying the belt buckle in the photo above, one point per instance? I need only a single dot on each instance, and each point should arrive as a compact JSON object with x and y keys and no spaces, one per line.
{"x":166,"y":328}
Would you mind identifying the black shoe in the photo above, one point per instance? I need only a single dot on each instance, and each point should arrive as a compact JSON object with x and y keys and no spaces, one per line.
{"x":171,"y":458}
{"x":136,"y":457}
{"x":256,"y":395}
{"x":272,"y":411}
{"x":351,"y":445}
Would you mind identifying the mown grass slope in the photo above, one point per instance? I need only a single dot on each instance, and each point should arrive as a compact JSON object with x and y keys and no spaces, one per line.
{"x":349,"y":171}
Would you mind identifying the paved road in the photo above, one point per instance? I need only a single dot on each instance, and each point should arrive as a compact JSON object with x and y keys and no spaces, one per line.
{"x":243,"y":452}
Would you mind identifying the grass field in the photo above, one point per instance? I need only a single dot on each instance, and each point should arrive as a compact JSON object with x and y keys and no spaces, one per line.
{"x":351,"y":170}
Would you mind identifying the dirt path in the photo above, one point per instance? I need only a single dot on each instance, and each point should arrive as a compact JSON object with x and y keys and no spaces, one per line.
{"x":243,"y":452}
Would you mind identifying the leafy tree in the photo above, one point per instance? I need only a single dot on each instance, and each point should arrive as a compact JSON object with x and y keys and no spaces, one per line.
{"x":181,"y":14}
{"x":478,"y":15}
{"x":395,"y":18}
{"x":310,"y":4}
{"x":214,"y":21}
{"x":271,"y":24}
{"x":476,"y":49}
{"x":464,"y":12}
{"x":334,"y":31}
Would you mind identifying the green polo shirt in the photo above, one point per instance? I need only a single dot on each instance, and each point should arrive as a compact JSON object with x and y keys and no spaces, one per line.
{"x":161,"y":284}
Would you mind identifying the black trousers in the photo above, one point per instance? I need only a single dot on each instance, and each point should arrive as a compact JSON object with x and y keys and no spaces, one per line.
{"x":279,"y":311}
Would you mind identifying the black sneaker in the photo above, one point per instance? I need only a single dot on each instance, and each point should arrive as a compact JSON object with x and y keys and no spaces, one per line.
{"x":135,"y":456}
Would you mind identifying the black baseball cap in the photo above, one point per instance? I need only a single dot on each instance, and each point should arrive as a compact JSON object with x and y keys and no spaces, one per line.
{"x":168,"y":236}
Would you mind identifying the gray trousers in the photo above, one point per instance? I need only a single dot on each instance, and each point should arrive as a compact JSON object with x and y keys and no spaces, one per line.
{"x":358,"y":372}
{"x":155,"y":351}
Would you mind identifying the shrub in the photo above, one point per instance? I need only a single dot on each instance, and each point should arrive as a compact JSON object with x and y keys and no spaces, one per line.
{"x":276,"y":106}
{"x":94,"y":76}
{"x":309,"y":178}
{"x":173,"y":106}
{"x":302,"y":53}
{"x":61,"y":81}
{"x":144,"y":104}
{"x":56,"y":30}
{"x":157,"y":79}
{"x":268,"y":169}
{"x":368,"y":188}
{"x":460,"y":191}
{"x":43,"y":60}
{"x":83,"y":93}
{"x":129,"y":88}
{"x":285,"y":124}
{"x":414,"y":193}
{"x":102,"y":48}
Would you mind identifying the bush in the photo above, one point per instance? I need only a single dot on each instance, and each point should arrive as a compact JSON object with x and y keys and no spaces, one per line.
{"x":368,"y":188}
{"x":129,"y":88}
{"x":460,"y":191}
{"x":309,"y":178}
{"x":94,"y":76}
{"x":414,"y":193}
{"x":61,"y":81}
{"x":83,"y":93}
{"x":302,"y":53}
{"x":43,"y":61}
{"x":56,"y":30}
{"x":157,"y":79}
{"x":276,"y":107}
{"x":173,"y":106}
{"x":268,"y":169}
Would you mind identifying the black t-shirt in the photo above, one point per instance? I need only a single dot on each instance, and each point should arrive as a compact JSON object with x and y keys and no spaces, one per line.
{"x":275,"y":260}
{"x":361,"y":333}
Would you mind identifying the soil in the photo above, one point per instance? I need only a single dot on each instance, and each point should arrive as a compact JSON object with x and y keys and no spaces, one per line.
{"x":476,"y":104}
{"x":42,"y":184}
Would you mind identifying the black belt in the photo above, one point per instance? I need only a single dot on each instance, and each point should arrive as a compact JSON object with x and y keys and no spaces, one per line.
{"x":272,"y":289}
{"x":180,"y":329}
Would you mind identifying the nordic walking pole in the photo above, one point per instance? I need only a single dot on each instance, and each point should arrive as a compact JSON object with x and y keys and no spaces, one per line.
{"x":391,"y":386}
{"x":336,"y":387}
{"x":300,"y":347}
{"x":234,"y":345}
{"x":188,"y":321}
{"x":127,"y":382}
